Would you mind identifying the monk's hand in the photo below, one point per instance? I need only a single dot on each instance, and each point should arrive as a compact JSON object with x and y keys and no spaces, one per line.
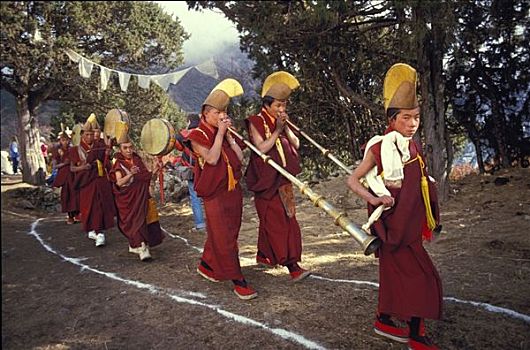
{"x":223,"y":124}
{"x":281,"y":121}
{"x":387,"y":201}
{"x":135,"y":169}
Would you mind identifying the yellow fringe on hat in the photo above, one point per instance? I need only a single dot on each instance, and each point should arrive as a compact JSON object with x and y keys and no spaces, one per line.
{"x":230,"y":86}
{"x":92,"y":118}
{"x":279,"y":77}
{"x":395,"y":76}
{"x":121,"y":130}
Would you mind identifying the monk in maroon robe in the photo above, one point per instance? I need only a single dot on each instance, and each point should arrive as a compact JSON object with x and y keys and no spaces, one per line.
{"x":410,"y":288}
{"x":217,"y":174}
{"x":91,"y":165}
{"x":280,"y":239}
{"x":131,"y":181}
{"x":65,"y":179}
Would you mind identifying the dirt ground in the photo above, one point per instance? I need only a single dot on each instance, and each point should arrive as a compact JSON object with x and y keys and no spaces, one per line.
{"x":61,"y":292}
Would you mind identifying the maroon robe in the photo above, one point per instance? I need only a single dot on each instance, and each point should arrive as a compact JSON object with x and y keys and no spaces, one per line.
{"x":96,"y":202}
{"x":223,"y":208}
{"x":409,"y":285}
{"x":131,"y":204}
{"x":279,"y":237}
{"x":65,"y":180}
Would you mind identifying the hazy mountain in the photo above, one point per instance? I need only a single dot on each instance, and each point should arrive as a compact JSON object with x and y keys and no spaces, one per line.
{"x":192,"y":90}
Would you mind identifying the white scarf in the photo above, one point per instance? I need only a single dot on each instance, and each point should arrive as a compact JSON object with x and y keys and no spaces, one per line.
{"x":392,"y":144}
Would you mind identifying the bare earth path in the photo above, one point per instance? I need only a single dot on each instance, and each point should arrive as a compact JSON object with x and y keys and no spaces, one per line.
{"x":61,"y":292}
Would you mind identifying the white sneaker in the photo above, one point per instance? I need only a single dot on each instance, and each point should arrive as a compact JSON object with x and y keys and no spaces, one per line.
{"x":100,"y":240}
{"x":134,"y":250}
{"x":92,"y":235}
{"x":144,"y":252}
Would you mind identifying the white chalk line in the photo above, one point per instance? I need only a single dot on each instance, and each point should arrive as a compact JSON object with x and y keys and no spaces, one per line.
{"x":200,"y":250}
{"x":485,"y":306}
{"x":282,"y":333}
{"x":492,"y":308}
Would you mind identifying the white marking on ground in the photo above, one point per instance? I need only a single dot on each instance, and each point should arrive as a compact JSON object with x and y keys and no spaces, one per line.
{"x":492,"y":308}
{"x":485,"y":306}
{"x":372,"y":284}
{"x":249,"y":261}
{"x":282,"y":333}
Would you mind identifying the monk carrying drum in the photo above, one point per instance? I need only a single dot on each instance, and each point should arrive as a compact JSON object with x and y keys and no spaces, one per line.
{"x":410,"y":288}
{"x":280,"y":240}
{"x":136,"y":210}
{"x":217,"y":174}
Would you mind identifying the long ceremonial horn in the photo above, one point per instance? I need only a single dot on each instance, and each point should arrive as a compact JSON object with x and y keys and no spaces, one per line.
{"x":377,"y":213}
{"x":324,"y":151}
{"x":368,"y":242}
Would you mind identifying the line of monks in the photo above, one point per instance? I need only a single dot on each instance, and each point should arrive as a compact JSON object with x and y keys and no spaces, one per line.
{"x":96,"y":189}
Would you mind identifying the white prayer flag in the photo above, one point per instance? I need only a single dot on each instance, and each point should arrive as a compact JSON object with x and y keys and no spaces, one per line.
{"x":85,"y":67}
{"x":209,"y":68}
{"x":74,"y":56}
{"x":105,"y":76}
{"x":124,"y":80}
{"x":144,"y":81}
{"x":164,"y":80}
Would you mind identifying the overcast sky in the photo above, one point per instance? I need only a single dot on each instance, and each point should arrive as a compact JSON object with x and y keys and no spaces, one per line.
{"x":209,"y":30}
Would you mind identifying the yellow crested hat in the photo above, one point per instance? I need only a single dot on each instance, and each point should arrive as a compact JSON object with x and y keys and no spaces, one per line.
{"x":279,"y":85}
{"x":399,"y":87}
{"x":221,"y":94}
{"x":122,"y":132}
{"x":91,"y":123}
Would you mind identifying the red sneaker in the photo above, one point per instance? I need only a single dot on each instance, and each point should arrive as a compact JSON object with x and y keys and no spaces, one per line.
{"x":204,"y":272}
{"x":245,"y":293}
{"x":391,"y":332}
{"x":298,"y":275}
{"x":264,"y":261}
{"x":421,"y":343}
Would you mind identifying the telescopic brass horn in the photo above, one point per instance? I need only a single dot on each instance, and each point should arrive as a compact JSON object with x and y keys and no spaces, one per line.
{"x":368,"y":242}
{"x":377,"y":213}
{"x":324,"y":151}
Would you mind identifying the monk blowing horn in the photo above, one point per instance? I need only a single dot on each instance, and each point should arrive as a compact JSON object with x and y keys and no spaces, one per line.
{"x":279,"y":85}
{"x":369,"y":243}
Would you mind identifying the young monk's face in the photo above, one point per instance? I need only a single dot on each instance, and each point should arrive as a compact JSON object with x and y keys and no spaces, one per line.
{"x":213,"y":115}
{"x":88,"y":137}
{"x":63,"y":141}
{"x":277,"y":108}
{"x":127,"y":150}
{"x":406,"y":122}
{"x":97,"y":134}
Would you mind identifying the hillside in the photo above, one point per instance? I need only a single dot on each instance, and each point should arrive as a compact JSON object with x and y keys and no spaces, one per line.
{"x":191,"y":91}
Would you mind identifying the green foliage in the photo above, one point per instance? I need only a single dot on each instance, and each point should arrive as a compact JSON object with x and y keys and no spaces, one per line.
{"x":127,"y":36}
{"x":340,"y":51}
{"x":488,"y":76}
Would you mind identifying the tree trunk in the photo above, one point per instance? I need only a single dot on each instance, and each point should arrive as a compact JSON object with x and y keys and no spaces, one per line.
{"x":430,"y":50}
{"x":32,"y":160}
{"x":478,"y":151}
{"x":499,"y":127}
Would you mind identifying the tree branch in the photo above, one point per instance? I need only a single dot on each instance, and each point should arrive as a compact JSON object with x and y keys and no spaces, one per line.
{"x":348,"y":92}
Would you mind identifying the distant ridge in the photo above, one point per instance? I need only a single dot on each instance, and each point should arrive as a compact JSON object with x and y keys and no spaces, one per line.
{"x":193,"y":89}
